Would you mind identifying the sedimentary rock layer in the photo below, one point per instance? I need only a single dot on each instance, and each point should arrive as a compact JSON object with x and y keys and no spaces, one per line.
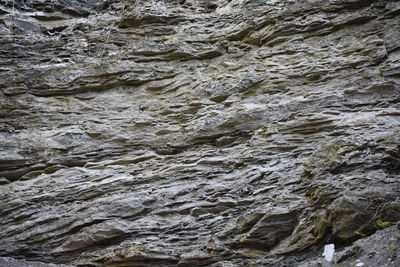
{"x":168,"y":132}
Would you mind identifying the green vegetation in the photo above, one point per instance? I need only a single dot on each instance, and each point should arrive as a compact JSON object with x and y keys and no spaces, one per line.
{"x":381,"y":223}
{"x":360,"y":234}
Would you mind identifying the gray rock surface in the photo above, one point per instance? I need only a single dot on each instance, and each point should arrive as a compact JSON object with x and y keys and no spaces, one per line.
{"x":10,"y":262}
{"x":379,"y":249}
{"x":209,"y":132}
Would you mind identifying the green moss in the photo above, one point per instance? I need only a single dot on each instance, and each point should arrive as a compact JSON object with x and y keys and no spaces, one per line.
{"x":360,"y":234}
{"x":381,"y":223}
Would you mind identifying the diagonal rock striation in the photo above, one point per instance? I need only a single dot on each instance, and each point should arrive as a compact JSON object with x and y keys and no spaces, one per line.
{"x":203,"y":133}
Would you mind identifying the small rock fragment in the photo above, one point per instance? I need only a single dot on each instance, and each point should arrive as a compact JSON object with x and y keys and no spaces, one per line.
{"x":329,"y":251}
{"x":359,"y":263}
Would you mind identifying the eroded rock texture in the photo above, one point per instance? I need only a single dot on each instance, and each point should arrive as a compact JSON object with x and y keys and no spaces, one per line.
{"x":166,"y":132}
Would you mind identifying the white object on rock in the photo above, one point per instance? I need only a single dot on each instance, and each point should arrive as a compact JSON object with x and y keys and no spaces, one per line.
{"x":359,"y":263}
{"x":329,"y":250}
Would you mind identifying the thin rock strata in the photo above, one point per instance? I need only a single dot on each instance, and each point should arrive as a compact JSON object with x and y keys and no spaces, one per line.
{"x":189,"y":133}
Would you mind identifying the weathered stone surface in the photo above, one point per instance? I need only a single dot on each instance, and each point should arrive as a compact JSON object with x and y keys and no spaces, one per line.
{"x":222,"y":133}
{"x":10,"y":262}
{"x":380,"y":249}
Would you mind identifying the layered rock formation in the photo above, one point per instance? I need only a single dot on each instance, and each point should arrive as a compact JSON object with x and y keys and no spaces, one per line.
{"x":166,"y":132}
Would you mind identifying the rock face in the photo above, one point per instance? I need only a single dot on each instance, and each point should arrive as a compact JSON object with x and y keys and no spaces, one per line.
{"x":189,"y":133}
{"x":379,"y":249}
